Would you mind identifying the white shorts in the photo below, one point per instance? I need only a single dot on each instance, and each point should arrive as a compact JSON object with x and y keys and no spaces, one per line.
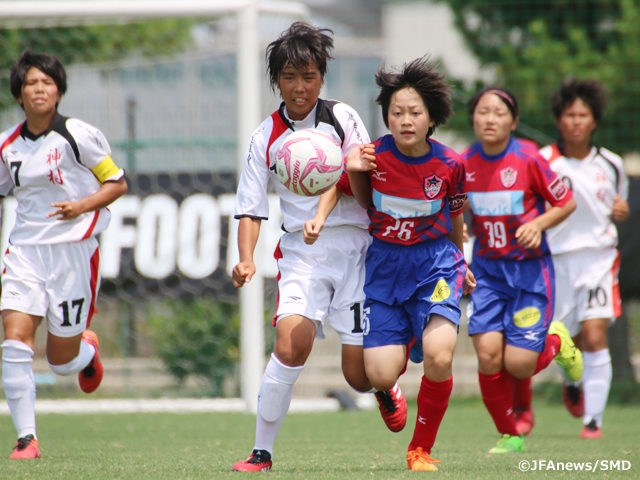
{"x":59,"y":282}
{"x":587,"y":287}
{"x":324,"y":280}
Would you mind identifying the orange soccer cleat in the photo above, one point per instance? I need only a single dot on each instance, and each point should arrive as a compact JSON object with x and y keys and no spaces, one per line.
{"x":591,"y":431}
{"x":525,"y":421}
{"x":258,"y":461}
{"x":393,"y":408}
{"x":420,"y":461}
{"x":26,"y":448}
{"x":573,"y":400}
{"x":90,"y":377}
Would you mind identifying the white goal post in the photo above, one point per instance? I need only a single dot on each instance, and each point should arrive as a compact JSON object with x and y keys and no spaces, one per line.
{"x":81,"y":12}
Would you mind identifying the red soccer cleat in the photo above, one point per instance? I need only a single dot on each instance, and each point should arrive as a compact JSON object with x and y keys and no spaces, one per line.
{"x":573,"y":400}
{"x":26,"y":448}
{"x":393,"y":408}
{"x":591,"y":430}
{"x":258,"y":461}
{"x":90,"y":378}
{"x":525,"y":421}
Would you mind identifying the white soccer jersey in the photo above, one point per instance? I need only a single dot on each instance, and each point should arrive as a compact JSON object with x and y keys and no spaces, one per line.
{"x":68,"y":162}
{"x":332,"y":117}
{"x":595,"y":181}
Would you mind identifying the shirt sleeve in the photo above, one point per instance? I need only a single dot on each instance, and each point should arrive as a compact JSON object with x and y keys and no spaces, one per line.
{"x":355,"y":132}
{"x":251,"y":197}
{"x":95,"y":152}
{"x":457,"y":193}
{"x":546,"y":183}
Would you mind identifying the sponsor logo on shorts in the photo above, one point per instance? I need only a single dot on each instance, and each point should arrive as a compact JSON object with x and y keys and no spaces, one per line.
{"x":531,"y":335}
{"x":294,"y":300}
{"x":527,"y":317}
{"x":558,"y":189}
{"x":508,"y":177}
{"x":441,"y":292}
{"x":432,"y":186}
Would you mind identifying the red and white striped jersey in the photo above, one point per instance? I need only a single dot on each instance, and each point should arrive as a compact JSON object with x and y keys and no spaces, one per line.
{"x":595,"y":181}
{"x":336,"y":119}
{"x":67,"y":162}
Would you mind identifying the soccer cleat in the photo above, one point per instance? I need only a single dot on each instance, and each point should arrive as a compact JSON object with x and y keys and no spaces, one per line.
{"x":569,"y":357}
{"x":90,"y":377}
{"x":393,"y":408}
{"x":525,"y":421}
{"x":26,"y":448}
{"x":258,"y":461}
{"x":591,"y":430}
{"x":420,"y":461}
{"x":573,"y":400}
{"x":509,"y":444}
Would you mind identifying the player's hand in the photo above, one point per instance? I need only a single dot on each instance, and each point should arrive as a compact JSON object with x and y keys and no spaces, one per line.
{"x":465,"y":233}
{"x":529,"y":235}
{"x":619,"y":209}
{"x":66,"y":210}
{"x":469,"y":283}
{"x":362,"y":158}
{"x":242,"y":273}
{"x":311,"y":230}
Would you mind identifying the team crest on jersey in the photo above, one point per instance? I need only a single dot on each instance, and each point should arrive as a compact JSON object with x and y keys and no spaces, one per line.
{"x":432,"y":186}
{"x":508,"y":177}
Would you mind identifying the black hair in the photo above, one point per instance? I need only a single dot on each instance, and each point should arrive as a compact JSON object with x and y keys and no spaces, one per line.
{"x":508,"y":98}
{"x":590,"y":91}
{"x":300,"y":44}
{"x":43,"y":62}
{"x":422,"y":77}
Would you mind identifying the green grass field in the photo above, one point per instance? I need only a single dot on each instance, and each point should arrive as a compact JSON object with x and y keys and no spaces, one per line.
{"x":341,"y":445}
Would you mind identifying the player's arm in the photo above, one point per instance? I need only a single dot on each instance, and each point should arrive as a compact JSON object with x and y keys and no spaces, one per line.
{"x":529,"y":235}
{"x":619,"y":209}
{"x":361,"y":159}
{"x":108,"y":192}
{"x":327,"y":202}
{"x":457,"y":237}
{"x":248,"y":233}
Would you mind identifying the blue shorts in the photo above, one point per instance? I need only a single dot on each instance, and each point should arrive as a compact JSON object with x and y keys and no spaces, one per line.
{"x":515,"y":297}
{"x":405,"y":284}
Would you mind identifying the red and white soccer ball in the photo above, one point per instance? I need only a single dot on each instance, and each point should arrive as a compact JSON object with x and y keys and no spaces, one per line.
{"x":309,"y":162}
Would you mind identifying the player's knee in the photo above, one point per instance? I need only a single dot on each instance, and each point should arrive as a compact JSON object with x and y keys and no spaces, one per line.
{"x":357,"y":380}
{"x":593,"y":342}
{"x":520,"y":369}
{"x":489,"y":362}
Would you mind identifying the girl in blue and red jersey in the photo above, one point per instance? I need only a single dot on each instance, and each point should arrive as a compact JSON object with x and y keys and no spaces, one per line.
{"x":510,"y":313}
{"x":414,"y":190}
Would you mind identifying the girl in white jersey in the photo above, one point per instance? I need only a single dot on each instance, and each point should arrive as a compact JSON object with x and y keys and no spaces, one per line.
{"x":584,"y":246}
{"x":61,"y":173}
{"x":318,"y":279}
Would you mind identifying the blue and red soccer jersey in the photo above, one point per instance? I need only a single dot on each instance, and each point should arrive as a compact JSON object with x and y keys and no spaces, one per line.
{"x":414,"y":198}
{"x":506,"y":191}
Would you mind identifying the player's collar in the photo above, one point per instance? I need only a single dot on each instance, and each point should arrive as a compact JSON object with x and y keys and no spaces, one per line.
{"x":26,"y":134}
{"x":306,"y":121}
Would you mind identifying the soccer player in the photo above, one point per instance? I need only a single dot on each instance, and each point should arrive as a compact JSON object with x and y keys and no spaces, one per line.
{"x":62,"y":175}
{"x":584,"y":250}
{"x":510,"y":312}
{"x":414,"y":190}
{"x":319,"y":280}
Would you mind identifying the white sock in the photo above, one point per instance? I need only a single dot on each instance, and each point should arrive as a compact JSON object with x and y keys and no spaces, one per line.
{"x":274,"y":399}
{"x":79,"y":363}
{"x":596,"y":382}
{"x":19,"y":385}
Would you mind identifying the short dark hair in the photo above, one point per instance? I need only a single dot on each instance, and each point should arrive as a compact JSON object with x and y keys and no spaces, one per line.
{"x":300,"y":44}
{"x":508,"y":98}
{"x":590,"y":91}
{"x":43,"y":62}
{"x":421,"y":76}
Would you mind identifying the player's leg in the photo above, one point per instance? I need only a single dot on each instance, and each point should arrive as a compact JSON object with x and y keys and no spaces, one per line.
{"x":596,"y":379}
{"x":72,"y":292}
{"x":439,"y":341}
{"x":18,"y":380}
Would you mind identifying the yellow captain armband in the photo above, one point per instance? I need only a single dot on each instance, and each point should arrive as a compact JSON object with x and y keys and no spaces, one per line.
{"x":105,"y":169}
